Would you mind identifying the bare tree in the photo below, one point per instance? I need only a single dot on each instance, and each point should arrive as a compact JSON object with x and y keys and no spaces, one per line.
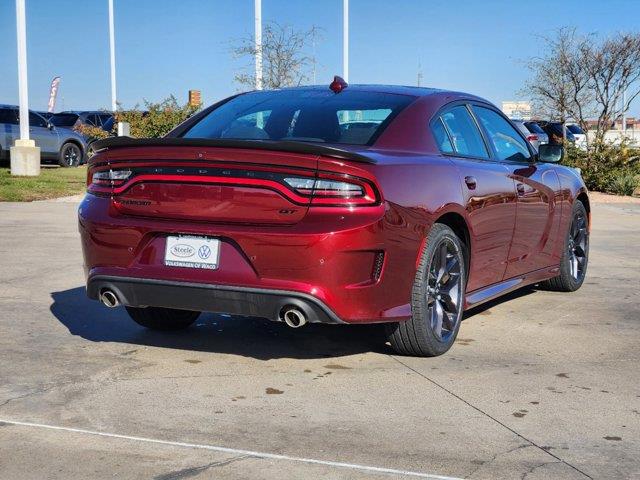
{"x":284,"y":59}
{"x":579,"y":77}
{"x":613,"y":67}
{"x":559,"y":87}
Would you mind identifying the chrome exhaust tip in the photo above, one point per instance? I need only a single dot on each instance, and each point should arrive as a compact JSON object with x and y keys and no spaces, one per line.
{"x":109,"y":299}
{"x":293,"y":317}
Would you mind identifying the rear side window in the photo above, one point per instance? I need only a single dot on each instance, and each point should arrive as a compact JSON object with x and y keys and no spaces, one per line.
{"x":8,"y":116}
{"x":463,"y":133}
{"x":441,"y":136}
{"x":350,"y":117}
{"x":509,"y":145}
{"x":64,"y":119}
{"x":36,"y":120}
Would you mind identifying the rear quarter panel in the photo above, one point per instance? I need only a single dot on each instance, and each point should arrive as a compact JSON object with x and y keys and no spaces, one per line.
{"x":416,"y":190}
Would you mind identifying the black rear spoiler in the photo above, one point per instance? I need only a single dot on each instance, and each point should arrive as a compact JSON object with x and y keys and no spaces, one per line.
{"x":281,"y":146}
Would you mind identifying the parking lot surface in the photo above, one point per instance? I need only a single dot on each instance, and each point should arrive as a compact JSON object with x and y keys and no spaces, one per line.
{"x":539,"y":385}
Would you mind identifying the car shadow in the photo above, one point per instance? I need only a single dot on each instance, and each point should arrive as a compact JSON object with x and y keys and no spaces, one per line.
{"x":249,"y":337}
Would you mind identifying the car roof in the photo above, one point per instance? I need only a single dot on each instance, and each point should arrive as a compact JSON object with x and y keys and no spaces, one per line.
{"x":397,"y":89}
{"x":434,"y":96}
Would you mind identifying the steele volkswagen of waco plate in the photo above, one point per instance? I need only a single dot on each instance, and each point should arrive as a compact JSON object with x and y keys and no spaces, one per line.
{"x":192,"y":252}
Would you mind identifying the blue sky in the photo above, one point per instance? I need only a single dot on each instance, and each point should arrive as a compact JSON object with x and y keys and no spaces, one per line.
{"x":167,"y":46}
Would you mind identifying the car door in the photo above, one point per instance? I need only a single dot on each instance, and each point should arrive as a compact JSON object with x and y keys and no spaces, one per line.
{"x":488,"y":191}
{"x":9,"y":128}
{"x":46,"y":138}
{"x":537,"y":187}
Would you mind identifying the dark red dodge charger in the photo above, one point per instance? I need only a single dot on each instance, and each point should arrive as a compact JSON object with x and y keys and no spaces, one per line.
{"x":347,"y":204}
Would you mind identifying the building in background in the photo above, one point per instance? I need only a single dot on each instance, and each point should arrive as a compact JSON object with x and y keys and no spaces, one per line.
{"x":194,"y":98}
{"x":519,"y":110}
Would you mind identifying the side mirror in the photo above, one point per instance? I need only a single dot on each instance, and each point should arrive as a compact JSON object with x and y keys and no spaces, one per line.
{"x":50,"y":125}
{"x":550,"y":153}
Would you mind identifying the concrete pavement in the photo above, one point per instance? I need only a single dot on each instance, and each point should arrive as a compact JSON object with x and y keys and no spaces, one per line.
{"x":541,"y":385}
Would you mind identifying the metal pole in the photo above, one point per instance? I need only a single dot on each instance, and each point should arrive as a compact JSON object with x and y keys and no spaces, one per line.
{"x":258,"y":43}
{"x":112,"y":51}
{"x":23,"y":92}
{"x":345,"y":40}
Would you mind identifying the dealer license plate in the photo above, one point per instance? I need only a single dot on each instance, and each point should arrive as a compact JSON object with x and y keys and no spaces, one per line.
{"x":192,"y":252}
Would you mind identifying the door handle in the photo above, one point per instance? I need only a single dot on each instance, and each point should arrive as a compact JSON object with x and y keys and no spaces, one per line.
{"x":471,"y":182}
{"x":520,"y":188}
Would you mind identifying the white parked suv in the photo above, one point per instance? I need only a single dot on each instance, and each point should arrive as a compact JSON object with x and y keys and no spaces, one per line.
{"x":579,"y":135}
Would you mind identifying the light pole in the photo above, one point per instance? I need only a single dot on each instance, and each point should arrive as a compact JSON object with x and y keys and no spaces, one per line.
{"x":25,"y":156}
{"x":112,"y":52}
{"x":345,"y":40}
{"x":258,"y":43}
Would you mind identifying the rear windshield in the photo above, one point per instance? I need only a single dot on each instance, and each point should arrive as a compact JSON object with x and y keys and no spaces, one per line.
{"x":533,"y":127}
{"x":575,"y":129}
{"x":64,"y":119}
{"x":350,"y":117}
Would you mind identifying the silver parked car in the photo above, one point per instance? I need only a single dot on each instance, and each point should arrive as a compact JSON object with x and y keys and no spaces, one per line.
{"x":61,"y":145}
{"x":533,"y":133}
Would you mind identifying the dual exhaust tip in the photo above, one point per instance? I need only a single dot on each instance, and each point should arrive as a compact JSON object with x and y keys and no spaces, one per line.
{"x":292,"y":316}
{"x":109,"y":299}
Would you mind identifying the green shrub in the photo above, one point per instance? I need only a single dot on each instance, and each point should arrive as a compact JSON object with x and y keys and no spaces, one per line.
{"x":624,"y":184}
{"x":156,"y":119}
{"x":609,"y":168}
{"x":91,"y":133}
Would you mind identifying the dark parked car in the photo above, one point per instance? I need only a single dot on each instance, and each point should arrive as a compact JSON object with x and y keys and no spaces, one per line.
{"x":61,"y":145}
{"x":266,"y":205}
{"x":554,"y":131}
{"x":74,"y":119}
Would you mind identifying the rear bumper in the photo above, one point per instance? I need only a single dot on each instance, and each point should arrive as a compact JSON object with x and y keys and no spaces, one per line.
{"x":327,"y":262}
{"x":255,"y":302}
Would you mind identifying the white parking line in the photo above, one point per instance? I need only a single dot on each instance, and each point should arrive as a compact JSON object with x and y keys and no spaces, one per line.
{"x":249,"y":453}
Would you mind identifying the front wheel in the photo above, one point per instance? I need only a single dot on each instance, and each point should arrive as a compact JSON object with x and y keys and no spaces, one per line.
{"x":437,"y":300}
{"x":158,"y":318}
{"x":70,"y":155}
{"x":575,"y":255}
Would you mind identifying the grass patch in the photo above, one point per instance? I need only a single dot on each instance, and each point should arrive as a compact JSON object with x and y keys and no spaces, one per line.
{"x":53,"y":182}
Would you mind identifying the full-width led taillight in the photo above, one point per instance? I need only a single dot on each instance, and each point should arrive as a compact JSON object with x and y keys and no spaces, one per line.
{"x":326,"y":189}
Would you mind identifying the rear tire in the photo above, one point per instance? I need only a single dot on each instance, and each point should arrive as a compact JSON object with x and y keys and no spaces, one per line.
{"x":158,"y":318}
{"x":70,"y":155}
{"x":437,"y":299}
{"x":575,"y":254}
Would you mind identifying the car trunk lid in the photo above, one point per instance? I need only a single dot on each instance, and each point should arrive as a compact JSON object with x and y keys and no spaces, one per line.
{"x":216,"y":184}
